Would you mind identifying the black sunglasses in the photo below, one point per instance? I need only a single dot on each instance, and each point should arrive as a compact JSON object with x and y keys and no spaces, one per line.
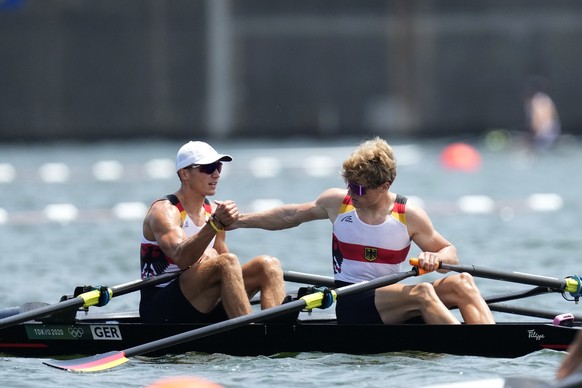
{"x":208,"y":168}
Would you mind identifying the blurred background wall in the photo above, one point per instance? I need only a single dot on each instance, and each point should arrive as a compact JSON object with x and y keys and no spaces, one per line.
{"x":87,"y":69}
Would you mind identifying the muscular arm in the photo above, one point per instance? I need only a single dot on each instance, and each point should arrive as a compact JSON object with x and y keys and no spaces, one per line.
{"x":220,"y":243}
{"x":163,"y":224}
{"x":433,"y":245}
{"x":281,"y":217}
{"x":291,"y":215}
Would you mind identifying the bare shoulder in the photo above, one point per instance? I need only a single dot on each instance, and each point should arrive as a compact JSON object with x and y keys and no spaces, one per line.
{"x":414,"y":210}
{"x":331,"y":198}
{"x":330,"y":201}
{"x":161,"y":205}
{"x":417,"y":219}
{"x":162,"y":213}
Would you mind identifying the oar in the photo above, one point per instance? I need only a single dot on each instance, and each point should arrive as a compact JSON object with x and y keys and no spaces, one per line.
{"x":494,"y":304}
{"x":520,"y":294}
{"x":111,"y":359}
{"x":573,"y":284}
{"x":86,"y":299}
{"x":505,"y":308}
{"x":300,"y":277}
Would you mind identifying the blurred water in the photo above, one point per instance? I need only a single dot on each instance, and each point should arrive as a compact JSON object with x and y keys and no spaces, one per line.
{"x":106,"y":187}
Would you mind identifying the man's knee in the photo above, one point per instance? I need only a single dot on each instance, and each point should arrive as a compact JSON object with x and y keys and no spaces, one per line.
{"x":462,"y":287}
{"x":268,"y":261}
{"x":465,"y":282}
{"x":425,"y":291}
{"x":224,"y":262}
{"x":270,"y":266}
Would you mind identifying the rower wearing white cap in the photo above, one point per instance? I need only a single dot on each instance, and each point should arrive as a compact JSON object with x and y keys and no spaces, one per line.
{"x":185,"y":231}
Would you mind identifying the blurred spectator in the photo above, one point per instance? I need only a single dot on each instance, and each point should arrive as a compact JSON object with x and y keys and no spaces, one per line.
{"x":542,"y":120}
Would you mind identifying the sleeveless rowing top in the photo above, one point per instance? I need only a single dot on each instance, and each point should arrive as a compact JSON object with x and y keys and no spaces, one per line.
{"x":364,"y":252}
{"x":153,"y":260}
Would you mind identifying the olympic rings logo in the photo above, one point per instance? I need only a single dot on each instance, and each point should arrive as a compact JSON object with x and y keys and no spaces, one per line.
{"x":76,"y":332}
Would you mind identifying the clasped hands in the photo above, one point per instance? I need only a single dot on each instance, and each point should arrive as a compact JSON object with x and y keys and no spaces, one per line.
{"x":225,"y":213}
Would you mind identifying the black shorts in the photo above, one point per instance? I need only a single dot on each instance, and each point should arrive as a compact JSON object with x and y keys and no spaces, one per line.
{"x":357,"y":308}
{"x":169,"y":305}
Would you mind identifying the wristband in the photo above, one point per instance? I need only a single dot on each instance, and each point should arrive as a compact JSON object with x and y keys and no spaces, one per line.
{"x":218,"y":220}
{"x":213,"y":225}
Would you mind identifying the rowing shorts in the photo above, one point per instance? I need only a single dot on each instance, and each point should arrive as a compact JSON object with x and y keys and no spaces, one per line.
{"x":357,"y":308}
{"x":169,"y":305}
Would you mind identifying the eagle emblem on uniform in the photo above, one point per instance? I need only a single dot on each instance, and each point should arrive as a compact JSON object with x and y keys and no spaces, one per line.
{"x":370,"y":254}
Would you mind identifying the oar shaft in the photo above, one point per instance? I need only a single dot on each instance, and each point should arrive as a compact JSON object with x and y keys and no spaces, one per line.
{"x":375,"y":283}
{"x":81,"y":300}
{"x":42,"y":312}
{"x":518,"y":294}
{"x":139,"y":284}
{"x":516,"y":277}
{"x":300,"y":277}
{"x":505,"y":308}
{"x":205,"y":331}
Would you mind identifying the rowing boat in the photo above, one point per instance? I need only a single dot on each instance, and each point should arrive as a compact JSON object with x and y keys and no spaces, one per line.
{"x":316,"y":331}
{"x":62,"y":330}
{"x":68,"y":328}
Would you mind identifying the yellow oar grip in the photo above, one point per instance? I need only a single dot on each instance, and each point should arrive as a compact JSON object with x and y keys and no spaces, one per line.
{"x":91,"y":298}
{"x":572,"y":285}
{"x":315,"y":300}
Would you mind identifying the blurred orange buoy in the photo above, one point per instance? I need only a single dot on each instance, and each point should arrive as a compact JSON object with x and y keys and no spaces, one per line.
{"x":461,"y":156}
{"x":183,"y":382}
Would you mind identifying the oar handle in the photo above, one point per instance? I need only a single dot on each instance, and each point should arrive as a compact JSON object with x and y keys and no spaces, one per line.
{"x":421,"y":271}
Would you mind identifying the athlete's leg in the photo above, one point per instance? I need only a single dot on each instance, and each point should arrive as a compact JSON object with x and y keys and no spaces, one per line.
{"x":398,"y":303}
{"x":213,"y":279}
{"x":264,"y":274}
{"x":460,"y":290}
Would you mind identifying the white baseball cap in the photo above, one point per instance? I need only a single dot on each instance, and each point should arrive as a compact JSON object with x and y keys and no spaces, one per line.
{"x":198,"y":152}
